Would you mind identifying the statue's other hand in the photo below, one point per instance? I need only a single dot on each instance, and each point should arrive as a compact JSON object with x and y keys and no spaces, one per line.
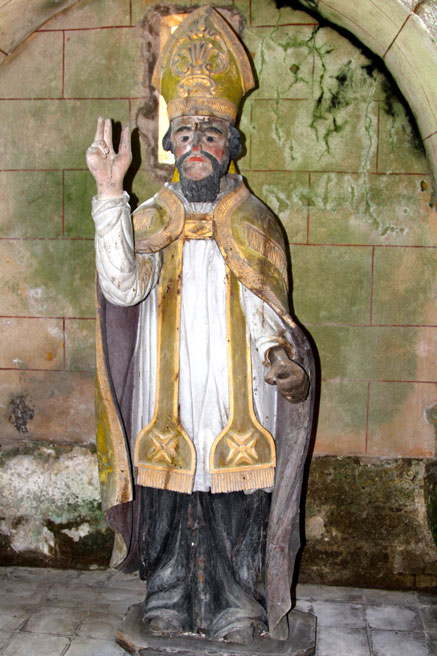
{"x":108,"y":167}
{"x":289,"y":377}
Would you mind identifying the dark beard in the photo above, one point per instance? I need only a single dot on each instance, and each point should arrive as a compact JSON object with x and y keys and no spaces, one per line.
{"x":207,"y":189}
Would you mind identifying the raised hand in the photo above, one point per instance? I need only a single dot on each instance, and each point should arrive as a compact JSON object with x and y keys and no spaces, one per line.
{"x":108,"y":167}
{"x":289,"y":377}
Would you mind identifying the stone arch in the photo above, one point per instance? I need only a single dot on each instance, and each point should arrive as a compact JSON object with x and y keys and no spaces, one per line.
{"x":396,"y":30}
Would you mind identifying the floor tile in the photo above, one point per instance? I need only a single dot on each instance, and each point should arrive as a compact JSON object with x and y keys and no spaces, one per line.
{"x":114,"y":595}
{"x":95,"y":578}
{"x":390,"y":597}
{"x":398,"y":643}
{"x":5,"y":636}
{"x":12,"y":616}
{"x":129,"y":581}
{"x":101,"y":624}
{"x":57,"y":621}
{"x":90,"y":647}
{"x":339,"y":614}
{"x":429,"y":617}
{"x":25,"y":644}
{"x":334,"y":641}
{"x":394,"y":617}
{"x":329,"y":593}
{"x":73,"y":596}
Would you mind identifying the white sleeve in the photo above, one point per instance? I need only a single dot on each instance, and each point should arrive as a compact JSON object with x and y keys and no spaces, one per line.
{"x":266,"y":328}
{"x":125,"y":278}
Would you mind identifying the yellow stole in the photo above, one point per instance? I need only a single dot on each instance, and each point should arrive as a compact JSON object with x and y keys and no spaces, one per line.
{"x":243,"y":455}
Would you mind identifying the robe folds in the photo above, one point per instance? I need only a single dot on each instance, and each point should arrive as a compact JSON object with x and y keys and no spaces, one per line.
{"x":251,"y":243}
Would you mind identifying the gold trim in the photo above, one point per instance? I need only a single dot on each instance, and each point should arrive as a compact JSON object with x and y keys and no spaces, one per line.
{"x":250,"y":479}
{"x":175,"y":481}
{"x":234,"y":257}
{"x":202,"y":106}
{"x":179,"y":460}
{"x":265,"y":246}
{"x":243,"y":437}
{"x":114,"y":466}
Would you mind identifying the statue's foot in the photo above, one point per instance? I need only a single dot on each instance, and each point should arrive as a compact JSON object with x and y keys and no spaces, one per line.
{"x":241,"y":636}
{"x":162,"y":627}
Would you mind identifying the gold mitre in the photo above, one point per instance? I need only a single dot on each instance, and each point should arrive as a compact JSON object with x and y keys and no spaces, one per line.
{"x":203,"y":68}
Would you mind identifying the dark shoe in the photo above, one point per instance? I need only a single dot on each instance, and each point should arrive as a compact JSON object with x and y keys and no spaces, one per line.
{"x":162,"y":627}
{"x":241,"y":636}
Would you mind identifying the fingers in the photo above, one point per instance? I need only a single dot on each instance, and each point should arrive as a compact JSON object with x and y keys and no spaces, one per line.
{"x":125,"y":147}
{"x":99,"y":130}
{"x":100,"y":147}
{"x":107,"y":133}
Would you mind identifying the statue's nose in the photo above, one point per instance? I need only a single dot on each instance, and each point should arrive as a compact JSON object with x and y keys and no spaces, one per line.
{"x":196,"y":140}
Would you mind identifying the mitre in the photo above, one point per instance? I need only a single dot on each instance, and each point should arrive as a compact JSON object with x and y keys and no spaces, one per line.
{"x":203,"y":68}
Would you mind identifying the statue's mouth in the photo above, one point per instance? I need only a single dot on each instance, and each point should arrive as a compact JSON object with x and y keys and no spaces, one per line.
{"x":196,"y":158}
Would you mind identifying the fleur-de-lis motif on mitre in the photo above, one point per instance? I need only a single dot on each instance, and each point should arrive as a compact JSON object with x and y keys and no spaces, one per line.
{"x":197,"y":56}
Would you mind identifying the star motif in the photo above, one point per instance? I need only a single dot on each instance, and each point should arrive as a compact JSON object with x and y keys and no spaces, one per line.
{"x":164,"y":447}
{"x":242,"y":448}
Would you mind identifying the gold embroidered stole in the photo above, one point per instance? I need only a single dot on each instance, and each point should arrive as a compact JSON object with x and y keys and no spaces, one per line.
{"x":242,"y":456}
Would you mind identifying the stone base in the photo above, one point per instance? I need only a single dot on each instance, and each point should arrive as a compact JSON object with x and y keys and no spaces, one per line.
{"x":135,"y":639}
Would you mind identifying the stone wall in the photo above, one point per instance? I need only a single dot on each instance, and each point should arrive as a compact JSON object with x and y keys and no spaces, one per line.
{"x":332,"y":148}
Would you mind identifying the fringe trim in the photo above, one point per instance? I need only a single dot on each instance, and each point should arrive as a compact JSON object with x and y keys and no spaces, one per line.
{"x":253,"y":479}
{"x":169,"y":479}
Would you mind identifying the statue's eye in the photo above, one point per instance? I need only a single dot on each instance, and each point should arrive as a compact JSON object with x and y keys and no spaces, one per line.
{"x":185,"y":138}
{"x":210,"y":139}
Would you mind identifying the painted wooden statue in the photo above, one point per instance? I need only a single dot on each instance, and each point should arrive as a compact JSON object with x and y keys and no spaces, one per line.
{"x":204,"y":381}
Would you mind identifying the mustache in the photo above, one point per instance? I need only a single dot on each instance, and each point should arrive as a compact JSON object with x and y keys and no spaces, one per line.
{"x":190,"y":153}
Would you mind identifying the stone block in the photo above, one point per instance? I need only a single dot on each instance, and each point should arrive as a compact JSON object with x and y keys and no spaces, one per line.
{"x":283,"y":59}
{"x":141,"y":186}
{"x":47,"y":278}
{"x":371,"y":209}
{"x":398,"y":426}
{"x":341,"y":427}
{"x":342,"y":72}
{"x":30,"y":204}
{"x":413,"y":44}
{"x":92,"y":13}
{"x":59,"y":406}
{"x":117,"y":65}
{"x":376,"y":353}
{"x":80,"y":352}
{"x":331,"y":284}
{"x":41,"y":51}
{"x":400,"y":148}
{"x":30,"y":143}
{"x":31,"y":343}
{"x":286,"y":194}
{"x":302,"y":136}
{"x":79,"y":188}
{"x":405,"y":286}
{"x":265,"y":12}
{"x":376,"y":24}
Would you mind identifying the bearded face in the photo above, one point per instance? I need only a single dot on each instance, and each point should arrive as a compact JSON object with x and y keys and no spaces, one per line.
{"x":200,"y":145}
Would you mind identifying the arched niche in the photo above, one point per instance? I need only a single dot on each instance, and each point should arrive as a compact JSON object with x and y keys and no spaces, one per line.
{"x":390,"y":28}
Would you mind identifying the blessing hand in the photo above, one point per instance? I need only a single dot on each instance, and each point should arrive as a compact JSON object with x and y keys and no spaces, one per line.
{"x":289,"y":377}
{"x":108,"y":167}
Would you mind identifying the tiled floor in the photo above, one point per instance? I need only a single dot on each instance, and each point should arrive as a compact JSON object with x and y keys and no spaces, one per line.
{"x":46,"y":612}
